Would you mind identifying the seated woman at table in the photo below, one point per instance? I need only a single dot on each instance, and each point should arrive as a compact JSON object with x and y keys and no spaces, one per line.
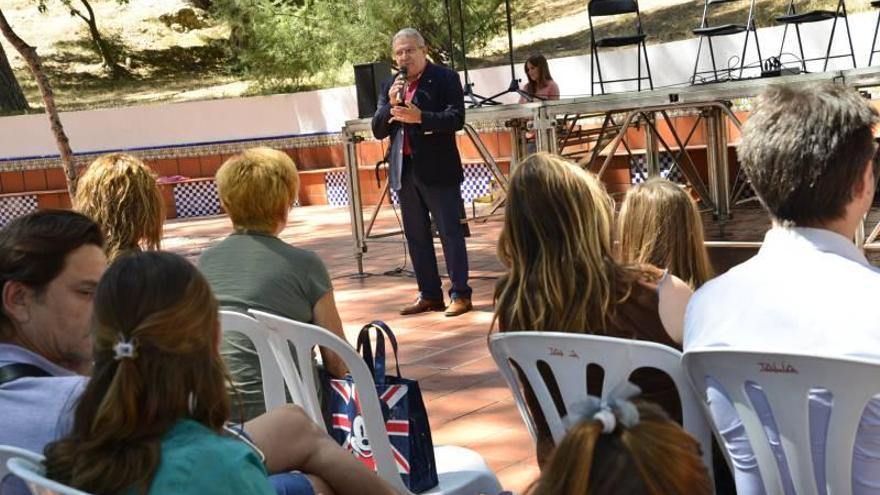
{"x":253,"y":268}
{"x":540,"y":85}
{"x":562,"y":275}
{"x":659,"y":224}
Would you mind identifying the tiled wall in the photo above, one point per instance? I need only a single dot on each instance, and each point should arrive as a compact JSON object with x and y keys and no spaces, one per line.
{"x":320,"y":160}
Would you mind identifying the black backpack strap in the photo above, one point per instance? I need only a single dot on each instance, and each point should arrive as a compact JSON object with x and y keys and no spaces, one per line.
{"x":15,"y":371}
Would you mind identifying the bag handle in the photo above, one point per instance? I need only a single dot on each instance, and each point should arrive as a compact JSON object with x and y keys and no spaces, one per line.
{"x":377,"y":366}
{"x":376,"y":362}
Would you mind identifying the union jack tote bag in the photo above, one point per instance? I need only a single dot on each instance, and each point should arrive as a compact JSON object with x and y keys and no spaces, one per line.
{"x":402,"y":407}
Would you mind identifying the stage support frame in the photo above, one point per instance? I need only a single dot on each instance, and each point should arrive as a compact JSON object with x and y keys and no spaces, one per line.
{"x":711,"y":102}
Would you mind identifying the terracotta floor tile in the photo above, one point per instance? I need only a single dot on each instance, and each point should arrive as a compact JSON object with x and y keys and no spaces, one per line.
{"x":449,"y":381}
{"x":450,"y":358}
{"x":518,"y":477}
{"x":414,"y":354}
{"x":417,"y":372}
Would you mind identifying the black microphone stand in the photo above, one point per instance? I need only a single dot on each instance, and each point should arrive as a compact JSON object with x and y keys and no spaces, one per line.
{"x":451,"y":40}
{"x":514,"y":82}
{"x":475,"y":99}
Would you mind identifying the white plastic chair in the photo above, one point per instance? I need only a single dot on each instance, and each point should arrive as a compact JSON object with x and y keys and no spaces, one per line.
{"x":460,"y":470}
{"x":273,"y":382}
{"x":786,"y":381}
{"x":568,"y":355}
{"x":7,"y":452}
{"x":33,"y":474}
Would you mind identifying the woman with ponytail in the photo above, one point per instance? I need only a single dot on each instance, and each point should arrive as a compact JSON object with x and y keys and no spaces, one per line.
{"x":623,"y":447}
{"x":151,"y":419}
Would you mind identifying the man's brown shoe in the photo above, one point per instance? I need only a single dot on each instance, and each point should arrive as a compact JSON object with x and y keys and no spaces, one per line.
{"x":459,"y":306}
{"x":421,"y":305}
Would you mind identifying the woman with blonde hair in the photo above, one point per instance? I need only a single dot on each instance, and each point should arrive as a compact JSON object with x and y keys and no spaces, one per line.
{"x":562,"y":274}
{"x":151,"y":418}
{"x":659,"y":224}
{"x":253,"y":268}
{"x":120,"y":194}
{"x":623,"y":447}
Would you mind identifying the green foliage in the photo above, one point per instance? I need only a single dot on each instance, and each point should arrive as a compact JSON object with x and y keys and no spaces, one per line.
{"x":299,"y":43}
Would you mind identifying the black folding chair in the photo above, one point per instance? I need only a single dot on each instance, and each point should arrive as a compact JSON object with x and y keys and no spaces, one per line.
{"x":875,"y":4}
{"x":708,"y":31}
{"x":602,"y":8}
{"x":793,"y":17}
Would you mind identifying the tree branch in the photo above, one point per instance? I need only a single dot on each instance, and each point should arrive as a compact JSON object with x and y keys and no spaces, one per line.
{"x":89,"y":8}
{"x":35,"y":64}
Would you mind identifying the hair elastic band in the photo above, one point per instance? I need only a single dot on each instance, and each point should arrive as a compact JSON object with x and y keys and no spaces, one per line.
{"x":616,"y":409}
{"x":124,"y":349}
{"x":606,"y":416}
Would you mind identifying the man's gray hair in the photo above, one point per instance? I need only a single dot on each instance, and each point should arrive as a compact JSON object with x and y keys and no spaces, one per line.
{"x":409,"y":33}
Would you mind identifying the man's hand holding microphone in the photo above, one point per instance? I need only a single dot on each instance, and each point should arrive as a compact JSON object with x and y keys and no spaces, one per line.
{"x":402,"y":110}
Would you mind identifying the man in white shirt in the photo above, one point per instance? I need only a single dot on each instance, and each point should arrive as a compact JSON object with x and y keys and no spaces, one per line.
{"x":809,"y":154}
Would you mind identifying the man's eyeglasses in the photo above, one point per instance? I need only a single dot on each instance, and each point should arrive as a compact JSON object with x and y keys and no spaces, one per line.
{"x":406,"y":51}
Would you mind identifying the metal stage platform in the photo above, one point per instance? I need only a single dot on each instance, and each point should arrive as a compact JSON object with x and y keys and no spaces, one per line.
{"x":554,"y":123}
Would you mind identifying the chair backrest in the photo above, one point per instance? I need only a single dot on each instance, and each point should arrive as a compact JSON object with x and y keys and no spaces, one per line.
{"x":33,"y":474}
{"x":273,"y":382}
{"x":839,"y":5}
{"x":304,"y":338}
{"x":568,"y":355}
{"x":712,"y":3}
{"x":7,"y":452}
{"x":599,"y":8}
{"x":786,"y":381}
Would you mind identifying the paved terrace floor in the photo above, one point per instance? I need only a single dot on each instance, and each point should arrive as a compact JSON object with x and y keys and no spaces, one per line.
{"x":467,"y":401}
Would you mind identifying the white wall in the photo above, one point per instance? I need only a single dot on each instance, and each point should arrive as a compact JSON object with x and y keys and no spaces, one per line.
{"x":326,"y":110}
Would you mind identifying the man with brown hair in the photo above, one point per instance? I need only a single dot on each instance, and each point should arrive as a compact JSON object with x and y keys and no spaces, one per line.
{"x":809,"y":153}
{"x":50,"y":263}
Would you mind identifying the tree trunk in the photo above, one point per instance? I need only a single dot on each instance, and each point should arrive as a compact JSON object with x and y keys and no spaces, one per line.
{"x":11,"y":97}
{"x":116,"y":70}
{"x":35,"y":64}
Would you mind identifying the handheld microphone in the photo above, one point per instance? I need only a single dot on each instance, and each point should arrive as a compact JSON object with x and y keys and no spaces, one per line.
{"x":401,"y":93}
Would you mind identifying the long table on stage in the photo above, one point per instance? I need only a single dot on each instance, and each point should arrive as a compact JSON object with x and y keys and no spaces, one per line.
{"x":712,"y":102}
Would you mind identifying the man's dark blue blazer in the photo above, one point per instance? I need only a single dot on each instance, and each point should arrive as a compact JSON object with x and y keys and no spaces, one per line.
{"x":439,"y":96}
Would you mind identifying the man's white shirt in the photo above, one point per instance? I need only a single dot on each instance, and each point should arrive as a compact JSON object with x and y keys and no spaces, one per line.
{"x":806,"y":291}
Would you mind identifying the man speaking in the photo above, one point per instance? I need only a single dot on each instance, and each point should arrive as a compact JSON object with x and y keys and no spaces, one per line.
{"x":421,"y":109}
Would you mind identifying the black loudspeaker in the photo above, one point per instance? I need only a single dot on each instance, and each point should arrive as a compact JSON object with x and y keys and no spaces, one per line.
{"x":368,"y":79}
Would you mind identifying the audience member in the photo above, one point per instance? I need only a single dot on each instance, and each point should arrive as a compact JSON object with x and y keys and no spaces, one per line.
{"x":253,"y":268}
{"x":151,"y":419}
{"x":809,"y":154}
{"x":562,"y":275}
{"x":120,"y":193}
{"x":623,"y":447}
{"x":540,"y":85}
{"x":50,"y":263}
{"x":659,"y":224}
